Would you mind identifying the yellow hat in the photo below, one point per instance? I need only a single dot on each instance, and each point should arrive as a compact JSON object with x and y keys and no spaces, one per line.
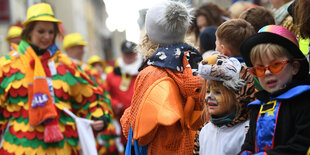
{"x":73,"y":39}
{"x":94,"y":59}
{"x":40,"y":12}
{"x":14,"y":31}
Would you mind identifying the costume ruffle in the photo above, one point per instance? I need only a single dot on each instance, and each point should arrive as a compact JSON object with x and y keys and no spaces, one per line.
{"x":105,"y":139}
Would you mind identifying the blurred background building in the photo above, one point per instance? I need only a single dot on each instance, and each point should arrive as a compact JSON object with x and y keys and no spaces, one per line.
{"x":88,"y":17}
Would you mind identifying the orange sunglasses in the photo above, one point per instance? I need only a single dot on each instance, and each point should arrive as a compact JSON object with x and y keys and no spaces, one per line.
{"x":274,"y":68}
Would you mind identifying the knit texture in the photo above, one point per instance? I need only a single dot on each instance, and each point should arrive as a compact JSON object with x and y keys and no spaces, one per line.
{"x":172,"y":139}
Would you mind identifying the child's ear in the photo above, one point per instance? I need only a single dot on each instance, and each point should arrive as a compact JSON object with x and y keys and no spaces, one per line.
{"x":296,"y":66}
{"x":226,"y":50}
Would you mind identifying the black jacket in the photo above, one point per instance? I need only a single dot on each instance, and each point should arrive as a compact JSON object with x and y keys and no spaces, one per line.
{"x":292,"y":135}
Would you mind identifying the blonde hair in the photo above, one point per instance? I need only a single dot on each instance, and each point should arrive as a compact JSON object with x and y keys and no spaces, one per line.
{"x":227,"y":94}
{"x":147,"y":47}
{"x":258,"y":52}
{"x":233,"y":32}
{"x":237,"y":8}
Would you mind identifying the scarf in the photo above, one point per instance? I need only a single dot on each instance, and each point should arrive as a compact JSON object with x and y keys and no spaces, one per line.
{"x":171,"y":57}
{"x":40,"y":90}
{"x":220,"y":121}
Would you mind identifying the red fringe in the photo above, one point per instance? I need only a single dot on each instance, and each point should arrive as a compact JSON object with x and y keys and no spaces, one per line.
{"x":28,"y":135}
{"x":69,"y":132}
{"x":16,"y":114}
{"x":61,"y":94}
{"x":11,"y":72}
{"x":4,"y":152}
{"x":21,"y":91}
{"x":61,"y":69}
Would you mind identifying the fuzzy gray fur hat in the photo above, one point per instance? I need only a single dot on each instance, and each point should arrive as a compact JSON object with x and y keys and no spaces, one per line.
{"x":167,"y":22}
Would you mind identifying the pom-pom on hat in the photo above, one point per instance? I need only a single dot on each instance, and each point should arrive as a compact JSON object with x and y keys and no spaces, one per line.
{"x":276,"y":35}
{"x":167,"y":22}
{"x":73,"y":39}
{"x":40,"y":12}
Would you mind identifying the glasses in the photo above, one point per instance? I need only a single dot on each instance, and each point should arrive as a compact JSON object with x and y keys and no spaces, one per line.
{"x":274,"y":68}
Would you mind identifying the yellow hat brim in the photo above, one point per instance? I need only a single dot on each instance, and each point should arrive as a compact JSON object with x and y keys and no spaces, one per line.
{"x":83,"y":43}
{"x":10,"y":37}
{"x":42,"y":18}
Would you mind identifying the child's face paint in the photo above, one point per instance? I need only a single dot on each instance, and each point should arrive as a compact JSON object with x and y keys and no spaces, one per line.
{"x":215,"y":102}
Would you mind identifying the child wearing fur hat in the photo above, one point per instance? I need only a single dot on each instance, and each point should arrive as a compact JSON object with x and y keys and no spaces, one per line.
{"x":166,"y":102}
{"x":228,"y":91}
{"x":229,"y":37}
{"x":279,"y":121}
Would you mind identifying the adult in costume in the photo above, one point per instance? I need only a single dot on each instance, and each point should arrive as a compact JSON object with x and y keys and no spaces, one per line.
{"x":36,"y":83}
{"x":74,"y":45}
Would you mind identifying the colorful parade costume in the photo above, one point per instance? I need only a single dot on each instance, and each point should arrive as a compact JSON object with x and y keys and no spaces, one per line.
{"x":105,"y":139}
{"x":35,"y":86}
{"x":72,"y":90}
{"x":274,"y":114}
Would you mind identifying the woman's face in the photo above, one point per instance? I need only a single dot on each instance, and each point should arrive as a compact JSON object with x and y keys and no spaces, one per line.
{"x":202,"y":22}
{"x":216,"y":104}
{"x":272,"y":82}
{"x":43,"y":34}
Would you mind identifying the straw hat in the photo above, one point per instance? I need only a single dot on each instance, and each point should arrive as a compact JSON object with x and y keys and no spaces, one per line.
{"x":14,"y":31}
{"x":40,"y":12}
{"x":94,"y":59}
{"x":73,"y":39}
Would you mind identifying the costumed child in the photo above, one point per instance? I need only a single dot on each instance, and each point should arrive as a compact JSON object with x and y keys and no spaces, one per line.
{"x":74,"y":45}
{"x":166,"y":104}
{"x":279,"y":121}
{"x":228,"y":91}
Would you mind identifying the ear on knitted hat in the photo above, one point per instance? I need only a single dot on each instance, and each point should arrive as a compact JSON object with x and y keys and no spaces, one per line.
{"x":167,"y":22}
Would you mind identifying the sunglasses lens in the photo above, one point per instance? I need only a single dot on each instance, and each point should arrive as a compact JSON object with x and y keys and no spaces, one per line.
{"x":257,"y":71}
{"x":276,"y":67}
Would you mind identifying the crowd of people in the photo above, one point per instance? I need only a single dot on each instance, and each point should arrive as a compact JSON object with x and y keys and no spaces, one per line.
{"x":209,"y":80}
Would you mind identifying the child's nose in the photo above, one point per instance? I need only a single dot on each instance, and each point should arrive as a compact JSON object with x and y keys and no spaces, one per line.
{"x":267,"y":72}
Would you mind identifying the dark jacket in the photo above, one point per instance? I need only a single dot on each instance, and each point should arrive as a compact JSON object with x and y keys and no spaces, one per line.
{"x":292,"y":133}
